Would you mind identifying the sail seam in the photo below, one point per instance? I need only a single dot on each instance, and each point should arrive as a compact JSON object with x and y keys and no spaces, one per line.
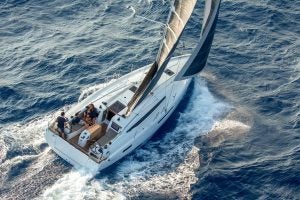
{"x":166,"y":46}
{"x":175,"y":36}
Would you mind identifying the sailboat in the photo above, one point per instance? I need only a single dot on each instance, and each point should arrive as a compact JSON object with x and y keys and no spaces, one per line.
{"x":131,"y":109}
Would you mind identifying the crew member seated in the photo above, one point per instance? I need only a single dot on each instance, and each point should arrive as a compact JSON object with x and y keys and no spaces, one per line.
{"x":90,"y":115}
{"x":76,"y":119}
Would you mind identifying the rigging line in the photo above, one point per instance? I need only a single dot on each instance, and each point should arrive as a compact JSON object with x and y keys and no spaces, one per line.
{"x":178,"y":17}
{"x":168,"y":26}
{"x":166,"y":46}
{"x":162,"y":24}
{"x":151,"y":20}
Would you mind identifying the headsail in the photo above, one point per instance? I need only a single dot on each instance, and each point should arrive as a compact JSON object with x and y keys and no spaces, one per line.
{"x":178,"y":18}
{"x":198,"y":59}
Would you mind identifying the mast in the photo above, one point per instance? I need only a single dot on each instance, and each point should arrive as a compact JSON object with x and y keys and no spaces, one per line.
{"x":178,"y":18}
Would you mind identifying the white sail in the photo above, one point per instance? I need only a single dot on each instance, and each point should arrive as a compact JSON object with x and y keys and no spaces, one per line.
{"x":198,"y":59}
{"x":178,"y":19}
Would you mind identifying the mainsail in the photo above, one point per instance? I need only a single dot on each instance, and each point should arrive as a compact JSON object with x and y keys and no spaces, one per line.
{"x":177,"y":21}
{"x":198,"y":59}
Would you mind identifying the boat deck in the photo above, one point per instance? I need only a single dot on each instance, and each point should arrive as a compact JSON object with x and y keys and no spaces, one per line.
{"x":97,"y":135}
{"x":97,"y":131}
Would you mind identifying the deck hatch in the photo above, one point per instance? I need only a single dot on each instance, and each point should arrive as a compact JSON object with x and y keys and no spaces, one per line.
{"x":169,"y":72}
{"x":133,"y":88}
{"x":116,"y":107}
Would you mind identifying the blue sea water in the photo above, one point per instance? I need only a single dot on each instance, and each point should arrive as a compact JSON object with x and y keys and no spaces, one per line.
{"x":236,"y":135}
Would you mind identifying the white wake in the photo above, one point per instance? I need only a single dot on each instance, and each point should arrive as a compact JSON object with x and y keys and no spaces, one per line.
{"x":165,"y":167}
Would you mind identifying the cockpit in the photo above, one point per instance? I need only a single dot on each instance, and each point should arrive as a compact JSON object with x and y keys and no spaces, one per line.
{"x":95,"y":139}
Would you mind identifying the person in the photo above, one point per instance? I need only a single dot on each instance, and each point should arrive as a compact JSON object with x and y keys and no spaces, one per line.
{"x":85,"y":112}
{"x":92,"y":112}
{"x":88,"y":121}
{"x":76,"y":119}
{"x":61,"y":123}
{"x":90,"y":115}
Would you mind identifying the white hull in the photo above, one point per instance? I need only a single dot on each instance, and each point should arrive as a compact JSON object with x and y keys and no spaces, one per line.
{"x":136,"y":128}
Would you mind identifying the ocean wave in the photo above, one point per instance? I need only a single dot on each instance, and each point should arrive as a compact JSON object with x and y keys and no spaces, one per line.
{"x":236,"y":137}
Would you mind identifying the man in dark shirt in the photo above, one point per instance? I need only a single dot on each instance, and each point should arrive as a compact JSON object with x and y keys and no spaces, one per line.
{"x":61,"y":120}
{"x":76,"y":119}
{"x":93,"y":113}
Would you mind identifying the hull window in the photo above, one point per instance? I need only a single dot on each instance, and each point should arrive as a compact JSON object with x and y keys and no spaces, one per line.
{"x":127,"y":148}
